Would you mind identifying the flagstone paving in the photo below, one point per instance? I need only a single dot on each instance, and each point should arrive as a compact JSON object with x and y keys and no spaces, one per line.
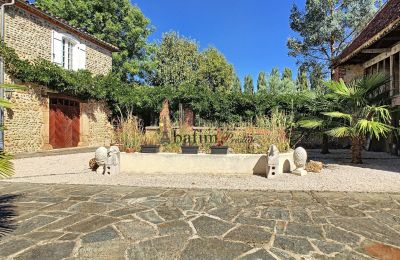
{"x":40,"y":221}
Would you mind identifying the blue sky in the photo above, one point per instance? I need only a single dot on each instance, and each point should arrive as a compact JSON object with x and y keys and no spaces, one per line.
{"x":252,"y":34}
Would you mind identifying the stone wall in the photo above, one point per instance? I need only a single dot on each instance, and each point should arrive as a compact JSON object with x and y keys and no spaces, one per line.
{"x":349,"y":72}
{"x":27,"y":123}
{"x":31,"y":37}
{"x":24,"y":122}
{"x":100,"y":130}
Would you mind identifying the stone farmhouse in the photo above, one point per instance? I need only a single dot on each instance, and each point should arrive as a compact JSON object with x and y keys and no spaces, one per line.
{"x":43,"y":119}
{"x":377,"y":49}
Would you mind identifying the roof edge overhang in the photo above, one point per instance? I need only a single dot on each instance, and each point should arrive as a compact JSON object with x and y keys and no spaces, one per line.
{"x":339,"y":61}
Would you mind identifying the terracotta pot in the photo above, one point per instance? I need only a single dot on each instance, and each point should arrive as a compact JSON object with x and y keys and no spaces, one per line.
{"x":130,"y":150}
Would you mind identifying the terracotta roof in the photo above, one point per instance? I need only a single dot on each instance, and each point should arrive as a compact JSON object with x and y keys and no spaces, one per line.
{"x":384,"y":21}
{"x":32,"y":8}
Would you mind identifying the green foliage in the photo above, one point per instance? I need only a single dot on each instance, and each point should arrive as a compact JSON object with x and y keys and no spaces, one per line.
{"x":248,"y":85}
{"x":236,"y":85}
{"x":325,"y":27}
{"x":302,"y":81}
{"x":177,"y":61}
{"x":215,"y":71}
{"x":316,"y":77}
{"x":356,"y":117}
{"x":261,"y":82}
{"x":287,"y":74}
{"x":117,"y":22}
{"x":274,"y":81}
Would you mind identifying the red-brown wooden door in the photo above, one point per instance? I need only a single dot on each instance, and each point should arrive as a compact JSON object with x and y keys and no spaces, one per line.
{"x":64,"y":123}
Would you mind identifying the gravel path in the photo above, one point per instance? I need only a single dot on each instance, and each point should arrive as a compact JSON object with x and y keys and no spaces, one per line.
{"x":380,"y":173}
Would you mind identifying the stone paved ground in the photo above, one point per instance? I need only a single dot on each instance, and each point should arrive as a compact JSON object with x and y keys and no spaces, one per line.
{"x":39,"y":221}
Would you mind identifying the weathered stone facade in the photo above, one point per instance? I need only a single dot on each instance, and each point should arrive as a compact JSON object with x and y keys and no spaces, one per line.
{"x":24,"y":122}
{"x":349,"y":72}
{"x":27,"y":124}
{"x":31,"y":37}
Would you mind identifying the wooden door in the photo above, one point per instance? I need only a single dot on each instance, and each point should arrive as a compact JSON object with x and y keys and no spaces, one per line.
{"x":64,"y":123}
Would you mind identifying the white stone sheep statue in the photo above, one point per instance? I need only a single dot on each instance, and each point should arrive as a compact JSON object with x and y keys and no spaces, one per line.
{"x":107,"y":160}
{"x":273,"y":161}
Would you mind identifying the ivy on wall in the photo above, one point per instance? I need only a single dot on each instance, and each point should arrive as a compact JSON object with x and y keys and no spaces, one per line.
{"x":82,"y":83}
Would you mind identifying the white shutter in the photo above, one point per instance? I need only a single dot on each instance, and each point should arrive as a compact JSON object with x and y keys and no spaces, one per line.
{"x":79,"y":57}
{"x":57,"y":48}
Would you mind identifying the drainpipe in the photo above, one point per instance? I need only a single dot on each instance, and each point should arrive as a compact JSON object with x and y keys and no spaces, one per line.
{"x":2,"y":70}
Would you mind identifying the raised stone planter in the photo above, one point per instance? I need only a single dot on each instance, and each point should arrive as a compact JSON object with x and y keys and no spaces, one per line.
{"x":172,"y":163}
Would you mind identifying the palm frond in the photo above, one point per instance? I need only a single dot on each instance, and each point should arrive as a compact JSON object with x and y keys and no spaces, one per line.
{"x":381,"y":113}
{"x":340,"y":132}
{"x":5,"y":103}
{"x":338,"y":87}
{"x":6,"y":166}
{"x":373,"y":128}
{"x":368,"y":84}
{"x":338,"y":115}
{"x":311,"y":123}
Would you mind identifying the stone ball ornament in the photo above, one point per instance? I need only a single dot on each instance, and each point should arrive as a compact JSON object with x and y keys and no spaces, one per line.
{"x":300,"y":161}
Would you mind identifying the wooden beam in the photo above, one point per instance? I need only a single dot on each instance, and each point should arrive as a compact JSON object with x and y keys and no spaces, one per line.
{"x":375,"y":51}
{"x":393,"y":38}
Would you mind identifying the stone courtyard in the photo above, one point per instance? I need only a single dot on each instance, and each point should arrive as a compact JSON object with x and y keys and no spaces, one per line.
{"x":58,"y":221}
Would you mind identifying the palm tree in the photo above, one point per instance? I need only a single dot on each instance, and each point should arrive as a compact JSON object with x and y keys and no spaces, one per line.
{"x":6,"y":166}
{"x":356,"y":115}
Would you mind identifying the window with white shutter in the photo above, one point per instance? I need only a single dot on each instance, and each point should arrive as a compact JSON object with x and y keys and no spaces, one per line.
{"x":79,"y":57}
{"x":57,"y":48}
{"x":68,"y":52}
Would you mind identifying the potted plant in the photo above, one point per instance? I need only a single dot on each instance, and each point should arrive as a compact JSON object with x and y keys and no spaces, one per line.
{"x":150,"y":144}
{"x":187,"y":148}
{"x":219,"y":148}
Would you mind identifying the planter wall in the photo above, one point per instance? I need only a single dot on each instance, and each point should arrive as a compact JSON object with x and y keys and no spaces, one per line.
{"x":172,"y":163}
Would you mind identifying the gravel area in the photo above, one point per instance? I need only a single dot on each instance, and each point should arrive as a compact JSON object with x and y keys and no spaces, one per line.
{"x":380,"y":173}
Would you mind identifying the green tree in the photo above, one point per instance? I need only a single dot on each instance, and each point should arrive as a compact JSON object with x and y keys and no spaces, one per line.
{"x":215,"y":71}
{"x":236,"y":85}
{"x":302,"y":81}
{"x":287,"y":74}
{"x":117,"y":22}
{"x":274,"y":81}
{"x":248,"y":84}
{"x":325,"y":27}
{"x":261,"y":82}
{"x":317,"y":78}
{"x":287,"y":84}
{"x":356,"y":114}
{"x":177,"y":61}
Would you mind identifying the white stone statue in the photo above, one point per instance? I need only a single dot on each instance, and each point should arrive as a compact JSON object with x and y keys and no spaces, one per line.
{"x":108,"y":160}
{"x":273,"y":161}
{"x":300,"y":160}
{"x":112,"y":165}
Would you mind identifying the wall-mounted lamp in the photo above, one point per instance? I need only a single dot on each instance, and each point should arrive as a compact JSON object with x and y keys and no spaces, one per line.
{"x":8,"y":93}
